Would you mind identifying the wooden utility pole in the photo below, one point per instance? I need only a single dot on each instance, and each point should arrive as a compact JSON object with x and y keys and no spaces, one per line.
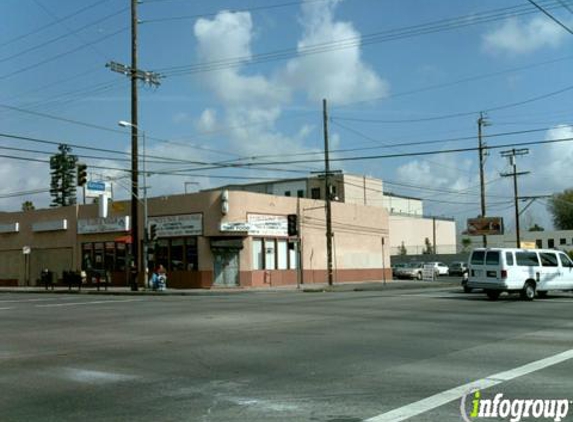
{"x":327,"y":197}
{"x":481,"y":148}
{"x":134,"y":150}
{"x":151,"y":78}
{"x":511,"y":155}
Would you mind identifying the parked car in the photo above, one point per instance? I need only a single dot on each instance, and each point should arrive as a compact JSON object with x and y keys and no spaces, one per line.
{"x":439,"y":268}
{"x":458,"y":268}
{"x":396,"y":266}
{"x":412,"y":270}
{"x":528,"y":272}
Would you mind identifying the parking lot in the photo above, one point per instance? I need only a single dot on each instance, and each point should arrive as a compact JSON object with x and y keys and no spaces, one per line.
{"x":277,"y":356}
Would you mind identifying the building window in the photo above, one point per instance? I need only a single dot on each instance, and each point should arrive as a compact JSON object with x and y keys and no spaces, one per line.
{"x":562,"y":241}
{"x":270,"y":255}
{"x":292,"y":257}
{"x":550,"y":243}
{"x":287,"y":193}
{"x":315,"y":193}
{"x":192,"y":254}
{"x":258,"y":261}
{"x":282,"y":254}
{"x":178,"y":254}
{"x":300,"y":193}
{"x":273,"y":254}
{"x":539,"y":244}
{"x":109,"y":256}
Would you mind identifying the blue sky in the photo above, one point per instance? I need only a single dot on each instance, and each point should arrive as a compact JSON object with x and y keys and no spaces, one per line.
{"x":393,"y":72}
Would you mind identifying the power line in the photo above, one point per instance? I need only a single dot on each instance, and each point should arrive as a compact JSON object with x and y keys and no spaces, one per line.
{"x":362,"y":40}
{"x":60,"y":37}
{"x":250,"y":9}
{"x":466,"y":113}
{"x":553,"y":18}
{"x":62,"y":19}
{"x":60,"y":55}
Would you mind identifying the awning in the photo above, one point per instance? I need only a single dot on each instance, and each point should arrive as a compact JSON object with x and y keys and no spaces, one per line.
{"x":123,"y":239}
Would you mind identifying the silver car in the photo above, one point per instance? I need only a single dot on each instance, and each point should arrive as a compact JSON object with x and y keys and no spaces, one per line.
{"x":412,"y":270}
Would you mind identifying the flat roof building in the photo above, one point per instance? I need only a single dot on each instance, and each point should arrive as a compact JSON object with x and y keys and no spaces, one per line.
{"x":225,"y":238}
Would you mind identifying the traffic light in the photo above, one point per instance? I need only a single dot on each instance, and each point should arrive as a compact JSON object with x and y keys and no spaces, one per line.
{"x":292,"y":228}
{"x":153,"y":232}
{"x":82,"y":174}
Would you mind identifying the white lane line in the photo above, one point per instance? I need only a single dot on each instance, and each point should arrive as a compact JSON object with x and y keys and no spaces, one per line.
{"x":5,"y":309}
{"x":437,"y":400}
{"x":31,"y":300}
{"x":95,"y":302}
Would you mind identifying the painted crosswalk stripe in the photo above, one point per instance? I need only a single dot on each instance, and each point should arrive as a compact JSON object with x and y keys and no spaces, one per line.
{"x":425,"y":405}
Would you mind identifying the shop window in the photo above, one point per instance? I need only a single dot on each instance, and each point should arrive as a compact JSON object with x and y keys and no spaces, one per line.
{"x":293,"y":258}
{"x":192,"y":254}
{"x":300,"y":193}
{"x":98,"y":256}
{"x":315,"y":193}
{"x":270,"y":254}
{"x":109,"y":259}
{"x":282,"y":254}
{"x":120,"y":257}
{"x":176,"y":255}
{"x":258,"y":261}
{"x":162,"y":253}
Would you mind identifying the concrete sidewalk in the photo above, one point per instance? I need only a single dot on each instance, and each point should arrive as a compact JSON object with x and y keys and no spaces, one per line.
{"x":305,"y":288}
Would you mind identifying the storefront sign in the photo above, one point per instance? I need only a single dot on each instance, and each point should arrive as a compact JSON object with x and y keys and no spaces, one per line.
{"x":96,"y":188}
{"x":178,"y":225}
{"x":103,"y":225}
{"x":238,"y":227}
{"x":50,"y":226}
{"x":10,"y":228}
{"x":267,"y":225}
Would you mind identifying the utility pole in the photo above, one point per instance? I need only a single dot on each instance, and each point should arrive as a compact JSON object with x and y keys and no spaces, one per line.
{"x":327,"y":196}
{"x":511,"y":155}
{"x":151,"y":78}
{"x":481,"y":149}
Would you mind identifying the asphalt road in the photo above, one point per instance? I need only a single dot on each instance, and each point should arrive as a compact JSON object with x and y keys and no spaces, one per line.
{"x":280,"y":356}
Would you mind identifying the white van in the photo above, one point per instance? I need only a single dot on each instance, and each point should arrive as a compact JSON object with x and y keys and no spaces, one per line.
{"x":527,"y":271}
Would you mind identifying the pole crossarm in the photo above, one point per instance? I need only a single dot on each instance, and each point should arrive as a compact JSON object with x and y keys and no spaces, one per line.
{"x":148,"y":77}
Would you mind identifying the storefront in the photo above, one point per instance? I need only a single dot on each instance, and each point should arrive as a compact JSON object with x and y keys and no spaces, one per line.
{"x":207,"y":239}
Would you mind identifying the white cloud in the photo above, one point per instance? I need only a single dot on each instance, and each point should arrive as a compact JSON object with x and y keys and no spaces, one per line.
{"x":515,"y":36}
{"x":339,"y":75}
{"x":552,"y":162}
{"x":207,"y":121}
{"x":22,"y":177}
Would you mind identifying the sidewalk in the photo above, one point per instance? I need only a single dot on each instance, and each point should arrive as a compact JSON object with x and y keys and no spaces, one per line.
{"x":305,"y":288}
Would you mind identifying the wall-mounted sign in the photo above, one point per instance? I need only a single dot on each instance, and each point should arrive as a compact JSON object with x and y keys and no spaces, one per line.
{"x":50,"y":226}
{"x":235,"y":227}
{"x":178,"y":225}
{"x":26,"y":250}
{"x":9,"y":228}
{"x":485,"y":226}
{"x":103,"y":225}
{"x":267,"y":225}
{"x":95,"y":188}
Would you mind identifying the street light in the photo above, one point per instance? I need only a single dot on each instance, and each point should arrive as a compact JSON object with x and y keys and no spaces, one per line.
{"x":135,"y":197}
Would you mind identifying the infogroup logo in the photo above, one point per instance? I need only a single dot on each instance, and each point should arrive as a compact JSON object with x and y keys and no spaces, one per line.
{"x":514,"y":410}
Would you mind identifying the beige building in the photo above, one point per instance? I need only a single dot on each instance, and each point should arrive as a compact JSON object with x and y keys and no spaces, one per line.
{"x":409,"y":229}
{"x":217,"y":238}
{"x":550,"y":239}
